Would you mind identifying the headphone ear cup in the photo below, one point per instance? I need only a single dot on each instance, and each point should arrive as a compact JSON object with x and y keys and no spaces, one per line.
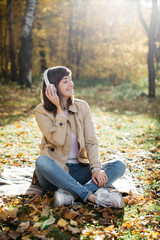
{"x":51,"y":85}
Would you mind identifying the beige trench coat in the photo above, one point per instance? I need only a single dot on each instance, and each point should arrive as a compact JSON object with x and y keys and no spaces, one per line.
{"x":57,"y":129}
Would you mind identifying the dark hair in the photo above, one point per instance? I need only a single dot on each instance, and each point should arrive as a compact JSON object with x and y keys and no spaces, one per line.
{"x":55,"y":75}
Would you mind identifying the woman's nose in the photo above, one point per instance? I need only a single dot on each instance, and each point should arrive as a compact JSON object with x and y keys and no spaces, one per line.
{"x":71,"y":83}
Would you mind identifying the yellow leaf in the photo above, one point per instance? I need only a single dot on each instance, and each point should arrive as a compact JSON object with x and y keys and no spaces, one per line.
{"x":32,"y":213}
{"x":154,"y":234}
{"x":74,"y":223}
{"x":5,"y":229}
{"x":18,"y":126}
{"x":37,"y":224}
{"x":109,"y":228}
{"x":87,"y":232}
{"x":8,"y":144}
{"x":26,"y":237}
{"x":16,"y":201}
{"x":36,"y":219}
{"x":22,"y":224}
{"x":62,"y":222}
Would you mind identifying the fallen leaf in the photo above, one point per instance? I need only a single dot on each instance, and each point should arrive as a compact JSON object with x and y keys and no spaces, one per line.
{"x":74,"y":230}
{"x":45,"y":211}
{"x":70,"y":215}
{"x":62,"y":222}
{"x":37,"y":224}
{"x":8,"y":213}
{"x":13,"y":235}
{"x":36,"y":218}
{"x":74,"y":223}
{"x":49,"y":221}
{"x":24,"y":225}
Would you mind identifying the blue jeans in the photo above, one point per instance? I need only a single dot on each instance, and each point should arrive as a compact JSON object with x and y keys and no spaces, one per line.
{"x":79,"y":179}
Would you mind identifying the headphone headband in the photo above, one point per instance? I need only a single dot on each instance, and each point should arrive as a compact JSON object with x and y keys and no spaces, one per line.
{"x":46,"y":77}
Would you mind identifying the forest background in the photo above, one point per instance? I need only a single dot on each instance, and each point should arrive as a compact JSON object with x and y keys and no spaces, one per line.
{"x":101,"y":41}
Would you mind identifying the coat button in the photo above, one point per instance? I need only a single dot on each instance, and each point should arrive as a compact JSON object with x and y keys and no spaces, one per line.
{"x":61,"y":124}
{"x":52,"y":149}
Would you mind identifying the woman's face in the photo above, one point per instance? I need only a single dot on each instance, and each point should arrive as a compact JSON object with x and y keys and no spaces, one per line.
{"x":65,"y":87}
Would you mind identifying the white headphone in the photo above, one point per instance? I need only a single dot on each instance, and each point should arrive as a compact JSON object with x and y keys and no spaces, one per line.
{"x":46,"y":78}
{"x":47,"y":81}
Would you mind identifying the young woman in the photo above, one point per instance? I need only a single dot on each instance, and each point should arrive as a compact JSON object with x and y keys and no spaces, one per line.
{"x":69,"y":163}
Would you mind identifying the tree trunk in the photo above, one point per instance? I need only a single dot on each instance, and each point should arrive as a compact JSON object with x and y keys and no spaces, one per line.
{"x":11,"y":40}
{"x":41,"y":43}
{"x":6,"y":60}
{"x":70,"y":44}
{"x":1,"y":44}
{"x":151,"y":32}
{"x":25,"y":54}
{"x":3,"y":40}
{"x":151,"y":52}
{"x":80,"y":35}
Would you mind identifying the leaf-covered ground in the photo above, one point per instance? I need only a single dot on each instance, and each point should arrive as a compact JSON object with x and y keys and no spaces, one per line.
{"x":126,"y":129}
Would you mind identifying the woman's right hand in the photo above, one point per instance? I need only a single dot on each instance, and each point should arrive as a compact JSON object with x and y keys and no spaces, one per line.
{"x":51,"y":94}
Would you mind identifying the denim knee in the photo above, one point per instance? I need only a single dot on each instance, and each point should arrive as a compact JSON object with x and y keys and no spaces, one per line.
{"x":121,"y":166}
{"x":41,"y":162}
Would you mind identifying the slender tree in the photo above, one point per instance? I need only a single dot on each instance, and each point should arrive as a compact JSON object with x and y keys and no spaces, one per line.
{"x":70,"y":41}
{"x":25,"y":54}
{"x":42,"y":54}
{"x":11,"y":40}
{"x":151,"y":31}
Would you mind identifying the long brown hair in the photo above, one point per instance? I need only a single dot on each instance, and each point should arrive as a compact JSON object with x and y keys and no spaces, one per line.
{"x":55,"y":75}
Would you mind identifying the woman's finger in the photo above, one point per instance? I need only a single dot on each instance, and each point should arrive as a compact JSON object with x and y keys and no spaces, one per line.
{"x":95,"y":180}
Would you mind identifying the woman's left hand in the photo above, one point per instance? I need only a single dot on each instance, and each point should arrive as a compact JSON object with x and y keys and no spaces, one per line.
{"x":99,"y":177}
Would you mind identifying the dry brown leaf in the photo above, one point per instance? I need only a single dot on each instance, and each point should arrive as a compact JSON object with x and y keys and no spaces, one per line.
{"x":79,"y":219}
{"x":42,"y":237}
{"x":70,"y":215}
{"x":105,"y":221}
{"x":24,"y":225}
{"x":89,"y":217}
{"x":8,"y":213}
{"x":3,"y":236}
{"x":83,"y":211}
{"x":13,"y":234}
{"x":74,"y":230}
{"x":105,"y":214}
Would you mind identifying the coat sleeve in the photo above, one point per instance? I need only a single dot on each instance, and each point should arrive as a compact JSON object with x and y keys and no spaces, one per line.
{"x":53,"y":130}
{"x":91,"y":142}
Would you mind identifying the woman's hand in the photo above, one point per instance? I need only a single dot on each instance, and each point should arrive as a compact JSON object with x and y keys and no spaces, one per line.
{"x":51,"y":94}
{"x":99,"y":177}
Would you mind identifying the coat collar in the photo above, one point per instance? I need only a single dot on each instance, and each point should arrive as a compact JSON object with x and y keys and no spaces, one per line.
{"x":73,"y":108}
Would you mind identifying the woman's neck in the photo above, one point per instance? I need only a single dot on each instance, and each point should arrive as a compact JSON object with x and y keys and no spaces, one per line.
{"x":65,"y":104}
